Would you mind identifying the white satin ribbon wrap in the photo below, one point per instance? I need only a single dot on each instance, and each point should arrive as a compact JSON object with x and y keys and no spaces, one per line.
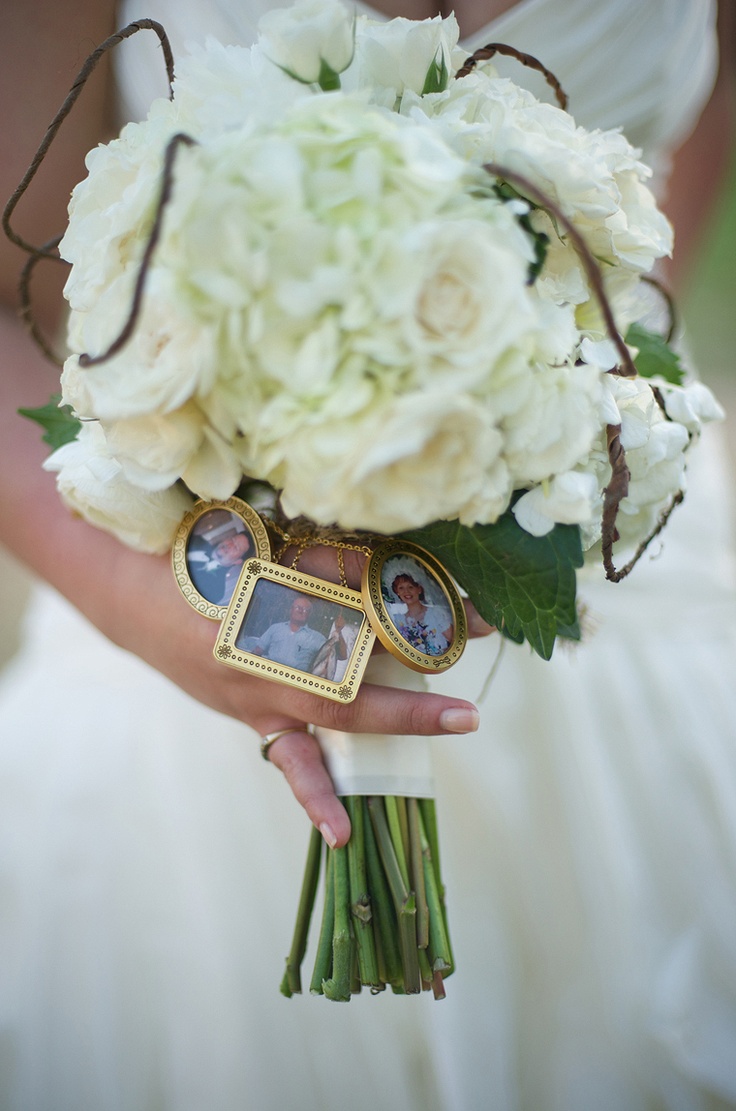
{"x":376,"y":764}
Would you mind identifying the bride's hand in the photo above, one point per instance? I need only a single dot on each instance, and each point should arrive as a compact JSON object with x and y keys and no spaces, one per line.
{"x":160,"y":627}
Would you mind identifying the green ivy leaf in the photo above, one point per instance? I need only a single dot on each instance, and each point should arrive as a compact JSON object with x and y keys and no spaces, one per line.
{"x":437,"y":74}
{"x":525,"y":585}
{"x":656,"y":359}
{"x":58,"y":422}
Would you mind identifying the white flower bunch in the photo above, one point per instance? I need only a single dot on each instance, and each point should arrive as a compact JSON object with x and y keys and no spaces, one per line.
{"x":340,"y":301}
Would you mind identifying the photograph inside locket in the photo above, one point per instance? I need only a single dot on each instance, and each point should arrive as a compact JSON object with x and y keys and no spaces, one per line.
{"x":299,"y":630}
{"x":417,"y":605}
{"x":219,"y":544}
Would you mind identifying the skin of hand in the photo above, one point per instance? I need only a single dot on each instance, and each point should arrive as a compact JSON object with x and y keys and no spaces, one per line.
{"x":132,"y":597}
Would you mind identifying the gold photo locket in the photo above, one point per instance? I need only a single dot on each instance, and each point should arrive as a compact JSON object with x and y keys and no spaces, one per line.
{"x":295,"y":629}
{"x":212,"y":543}
{"x":414,"y":606}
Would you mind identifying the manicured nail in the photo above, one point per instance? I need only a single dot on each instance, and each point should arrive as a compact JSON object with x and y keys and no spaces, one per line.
{"x":328,"y":834}
{"x":460,"y":719}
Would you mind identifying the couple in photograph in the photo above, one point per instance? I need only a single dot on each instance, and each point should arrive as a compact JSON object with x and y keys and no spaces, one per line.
{"x":294,"y":643}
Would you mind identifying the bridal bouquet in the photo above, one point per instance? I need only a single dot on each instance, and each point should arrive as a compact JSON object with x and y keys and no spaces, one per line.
{"x":405,"y":294}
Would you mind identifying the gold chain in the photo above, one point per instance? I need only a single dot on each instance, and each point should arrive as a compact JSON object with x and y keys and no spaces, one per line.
{"x":312,"y":540}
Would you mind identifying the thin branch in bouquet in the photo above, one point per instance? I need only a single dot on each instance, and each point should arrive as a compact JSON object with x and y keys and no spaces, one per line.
{"x":527,"y":188}
{"x":669,"y":301}
{"x":618,"y":487}
{"x":167,"y":185}
{"x":80,"y":81}
{"x":26,"y":303}
{"x":485,"y":53}
{"x":49,"y":250}
{"x":614,"y":575}
{"x":613,"y":495}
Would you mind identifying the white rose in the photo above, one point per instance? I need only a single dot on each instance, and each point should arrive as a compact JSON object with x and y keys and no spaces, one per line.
{"x":170,"y":357}
{"x":426,"y":457}
{"x":594,"y":177}
{"x":568,"y":499}
{"x":214,"y":471}
{"x":153,"y":450}
{"x":307,"y":37}
{"x":471,"y":303}
{"x":398,"y":55}
{"x":92,"y":484}
{"x":557,"y":424}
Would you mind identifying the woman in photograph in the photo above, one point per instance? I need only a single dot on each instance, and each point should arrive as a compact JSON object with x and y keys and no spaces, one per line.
{"x":150,"y":861}
{"x":428,"y":628}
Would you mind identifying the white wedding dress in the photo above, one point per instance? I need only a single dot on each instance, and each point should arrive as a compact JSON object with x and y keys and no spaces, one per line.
{"x":150,"y":860}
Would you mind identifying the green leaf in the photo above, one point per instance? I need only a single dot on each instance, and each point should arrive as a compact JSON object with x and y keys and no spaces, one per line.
{"x":540,"y":240}
{"x":437,"y":74}
{"x":58,"y":422}
{"x":656,"y":359}
{"x":525,"y":585}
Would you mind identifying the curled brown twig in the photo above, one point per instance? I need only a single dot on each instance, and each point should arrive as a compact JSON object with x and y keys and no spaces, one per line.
{"x":617,"y":576}
{"x":485,"y":53}
{"x":26,"y":306}
{"x":613,"y":495}
{"x":85,"y":72}
{"x":528,"y":189}
{"x":167,"y":184}
{"x":669,"y":301}
{"x":618,"y":487}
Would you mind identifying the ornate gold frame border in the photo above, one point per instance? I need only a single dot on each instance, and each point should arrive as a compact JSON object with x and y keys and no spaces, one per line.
{"x":179,"y":550}
{"x":227,"y":652}
{"x":380,"y":619}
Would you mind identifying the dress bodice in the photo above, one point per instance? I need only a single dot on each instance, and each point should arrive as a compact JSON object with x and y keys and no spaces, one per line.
{"x":654,"y":94}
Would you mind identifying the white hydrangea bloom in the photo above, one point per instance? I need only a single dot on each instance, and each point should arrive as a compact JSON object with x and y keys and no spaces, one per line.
{"x":569,"y":499}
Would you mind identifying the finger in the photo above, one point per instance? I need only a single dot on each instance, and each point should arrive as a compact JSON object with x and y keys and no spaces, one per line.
{"x":394,"y":710}
{"x":477,"y":627}
{"x":299,"y":757}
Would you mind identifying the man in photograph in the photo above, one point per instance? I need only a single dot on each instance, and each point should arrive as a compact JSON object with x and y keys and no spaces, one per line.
{"x":230,"y":552}
{"x":291,"y":643}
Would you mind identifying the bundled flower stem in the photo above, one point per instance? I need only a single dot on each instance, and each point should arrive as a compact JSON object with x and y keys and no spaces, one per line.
{"x":383,"y":919}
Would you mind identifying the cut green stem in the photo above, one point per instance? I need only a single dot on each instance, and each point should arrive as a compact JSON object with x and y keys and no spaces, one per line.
{"x":416,"y":861}
{"x":323,"y":959}
{"x":396,"y":816}
{"x":337,"y":987}
{"x":440,"y":953}
{"x":360,"y":901}
{"x":384,"y":915}
{"x":404,"y":901}
{"x":292,"y":981}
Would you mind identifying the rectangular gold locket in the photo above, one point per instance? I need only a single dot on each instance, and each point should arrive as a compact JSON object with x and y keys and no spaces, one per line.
{"x":292,"y":628}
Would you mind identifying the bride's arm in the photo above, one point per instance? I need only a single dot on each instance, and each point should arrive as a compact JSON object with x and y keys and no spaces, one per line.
{"x":132,"y":598}
{"x":700,"y":165}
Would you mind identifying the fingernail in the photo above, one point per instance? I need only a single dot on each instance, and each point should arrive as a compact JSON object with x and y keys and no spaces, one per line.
{"x":329,"y":834}
{"x":460,"y":719}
